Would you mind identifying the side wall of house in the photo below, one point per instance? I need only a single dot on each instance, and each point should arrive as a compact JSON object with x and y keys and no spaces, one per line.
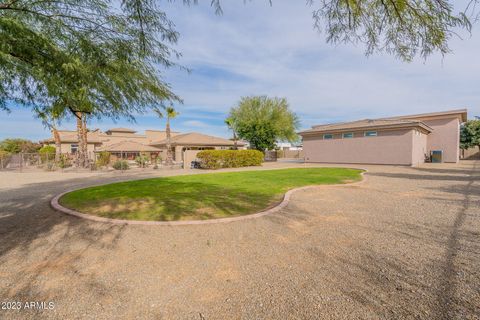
{"x":419,"y":147}
{"x":389,"y":147}
{"x":445,"y":136}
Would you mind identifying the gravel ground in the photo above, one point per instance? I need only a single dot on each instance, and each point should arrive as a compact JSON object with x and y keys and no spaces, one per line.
{"x":403,"y":245}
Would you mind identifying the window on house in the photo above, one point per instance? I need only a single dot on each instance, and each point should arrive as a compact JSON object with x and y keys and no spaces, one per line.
{"x":347,"y":135}
{"x":73,"y":148}
{"x":328,"y":136}
{"x":370,"y":133}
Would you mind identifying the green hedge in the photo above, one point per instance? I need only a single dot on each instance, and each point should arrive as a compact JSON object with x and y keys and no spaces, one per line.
{"x":216,"y":159}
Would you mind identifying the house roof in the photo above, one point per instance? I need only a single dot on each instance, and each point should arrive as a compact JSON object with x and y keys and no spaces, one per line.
{"x":68,"y":136}
{"x":414,"y":120}
{"x":127,"y":146}
{"x":121,"y":130}
{"x":461,"y":113}
{"x":367,"y":124}
{"x":196,"y":139}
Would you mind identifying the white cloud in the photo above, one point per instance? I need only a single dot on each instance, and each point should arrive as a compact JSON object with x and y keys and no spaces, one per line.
{"x":257,"y":49}
{"x":277,"y":52}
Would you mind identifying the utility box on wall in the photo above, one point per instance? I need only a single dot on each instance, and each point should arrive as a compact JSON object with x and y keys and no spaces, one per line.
{"x":437,"y":156}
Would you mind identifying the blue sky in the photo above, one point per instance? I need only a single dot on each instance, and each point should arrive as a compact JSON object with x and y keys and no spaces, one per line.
{"x":255,"y":49}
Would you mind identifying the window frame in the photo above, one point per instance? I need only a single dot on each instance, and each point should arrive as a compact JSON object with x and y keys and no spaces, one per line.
{"x":328,"y":134}
{"x":74,"y":148}
{"x":366,"y":134}
{"x":351,"y":135}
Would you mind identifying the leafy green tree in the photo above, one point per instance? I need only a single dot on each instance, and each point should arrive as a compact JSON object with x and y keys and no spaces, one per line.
{"x":19,"y":145}
{"x":168,"y":113}
{"x":93,"y":57}
{"x":81,"y":57}
{"x":470,"y":134}
{"x":263,"y":121}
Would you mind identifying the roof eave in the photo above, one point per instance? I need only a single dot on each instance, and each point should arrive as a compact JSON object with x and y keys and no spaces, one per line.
{"x":378,"y":127}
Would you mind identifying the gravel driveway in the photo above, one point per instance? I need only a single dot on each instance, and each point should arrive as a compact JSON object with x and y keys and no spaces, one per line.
{"x":405,"y":244}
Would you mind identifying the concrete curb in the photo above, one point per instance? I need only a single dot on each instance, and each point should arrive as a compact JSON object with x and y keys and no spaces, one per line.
{"x":286,"y":199}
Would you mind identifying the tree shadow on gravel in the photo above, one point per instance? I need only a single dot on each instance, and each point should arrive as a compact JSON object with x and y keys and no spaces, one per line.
{"x":26,"y":215}
{"x":37,"y":242}
{"x":461,"y":243}
{"x":390,"y":285}
{"x":414,"y":176}
{"x":455,"y":291}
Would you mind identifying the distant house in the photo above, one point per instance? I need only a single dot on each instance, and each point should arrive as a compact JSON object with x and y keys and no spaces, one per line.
{"x":404,"y":140}
{"x":288,"y":146}
{"x":105,"y":141}
{"x":127,"y":144}
{"x":194,"y":142}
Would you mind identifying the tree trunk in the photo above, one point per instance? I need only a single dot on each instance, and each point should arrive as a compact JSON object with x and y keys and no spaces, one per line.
{"x":85,"y":142}
{"x":169,"y":160}
{"x":80,"y":157}
{"x":235,"y":147}
{"x":58,"y":144}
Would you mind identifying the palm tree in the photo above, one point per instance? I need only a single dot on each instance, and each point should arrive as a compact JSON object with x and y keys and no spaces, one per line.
{"x":169,"y":113}
{"x":230,"y":125}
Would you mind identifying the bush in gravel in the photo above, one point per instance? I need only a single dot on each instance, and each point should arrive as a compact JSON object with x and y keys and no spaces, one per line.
{"x":142,"y":161}
{"x":47,"y":153}
{"x":120,"y":165}
{"x":103,"y":159}
{"x":216,"y":159}
{"x":4,"y":159}
{"x":64,"y":161}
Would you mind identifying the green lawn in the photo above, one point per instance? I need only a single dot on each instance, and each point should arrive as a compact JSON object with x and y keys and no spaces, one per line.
{"x":201,"y":196}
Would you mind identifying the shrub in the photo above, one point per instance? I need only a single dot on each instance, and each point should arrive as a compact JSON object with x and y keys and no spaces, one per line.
{"x":19,"y":145}
{"x":47,"y":153}
{"x":142,"y":161}
{"x":103,"y":159}
{"x":121,"y":165}
{"x":4,"y":159}
{"x":64,"y":161}
{"x":4,"y":154}
{"x":50,"y":166}
{"x":156,"y":160}
{"x":215,"y":159}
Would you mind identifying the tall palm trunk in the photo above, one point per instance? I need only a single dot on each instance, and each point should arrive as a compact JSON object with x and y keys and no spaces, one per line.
{"x":80,"y":155}
{"x":58,"y":144}
{"x":169,"y":160}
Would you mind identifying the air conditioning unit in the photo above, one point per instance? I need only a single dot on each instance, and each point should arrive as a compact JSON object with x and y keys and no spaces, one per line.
{"x":436,"y":156}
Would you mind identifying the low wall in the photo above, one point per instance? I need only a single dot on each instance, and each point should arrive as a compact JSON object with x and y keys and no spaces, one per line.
{"x":470,"y":153}
{"x":291,"y":154}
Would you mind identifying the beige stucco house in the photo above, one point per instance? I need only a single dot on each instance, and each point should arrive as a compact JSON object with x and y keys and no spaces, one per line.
{"x":111,"y":140}
{"x":404,"y":140}
{"x":185,"y":146}
{"x":127,"y":144}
